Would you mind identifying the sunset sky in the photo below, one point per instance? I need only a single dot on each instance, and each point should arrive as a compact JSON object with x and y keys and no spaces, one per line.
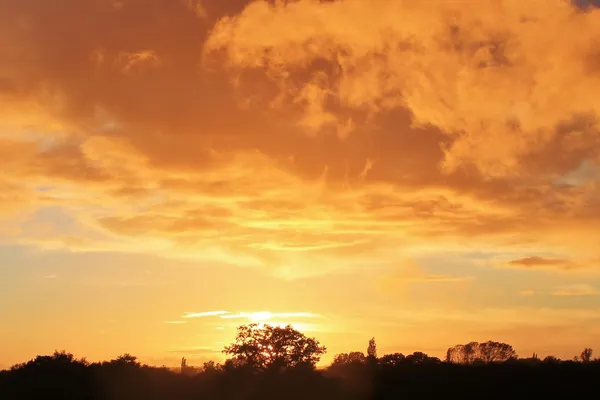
{"x":425,"y":172}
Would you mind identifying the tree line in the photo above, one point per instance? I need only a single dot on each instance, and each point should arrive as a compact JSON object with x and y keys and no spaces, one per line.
{"x":280,"y":363}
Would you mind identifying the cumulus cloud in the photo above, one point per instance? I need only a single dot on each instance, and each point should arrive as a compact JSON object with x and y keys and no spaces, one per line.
{"x":491,"y":75}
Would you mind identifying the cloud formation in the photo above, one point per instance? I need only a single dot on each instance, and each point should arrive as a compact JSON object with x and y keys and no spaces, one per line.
{"x":491,"y":76}
{"x":189,"y":130}
{"x":204,"y":314}
{"x":257,"y":316}
{"x":266,"y":315}
{"x":537,"y":262}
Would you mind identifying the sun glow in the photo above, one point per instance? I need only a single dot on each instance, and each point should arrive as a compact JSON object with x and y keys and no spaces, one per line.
{"x":261,"y":316}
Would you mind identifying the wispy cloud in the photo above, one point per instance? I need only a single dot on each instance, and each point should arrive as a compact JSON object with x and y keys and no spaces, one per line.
{"x":576,"y":290}
{"x":541,"y":262}
{"x":131,"y":60}
{"x":198,"y":7}
{"x":203,"y":314}
{"x":266,"y":315}
{"x":175,"y":322}
{"x":257,"y":316}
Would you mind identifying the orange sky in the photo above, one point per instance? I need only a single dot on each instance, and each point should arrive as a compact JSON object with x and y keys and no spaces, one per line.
{"x":425,"y":172}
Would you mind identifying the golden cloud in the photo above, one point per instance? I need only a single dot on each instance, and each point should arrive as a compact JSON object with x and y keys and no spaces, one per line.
{"x":208,"y":137}
{"x":492,"y":76}
{"x":204,"y":314}
{"x":534,"y":262}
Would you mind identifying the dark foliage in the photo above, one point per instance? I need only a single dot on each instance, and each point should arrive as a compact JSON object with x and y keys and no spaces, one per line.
{"x":488,"y":352}
{"x":274,"y":347}
{"x":353,"y":376}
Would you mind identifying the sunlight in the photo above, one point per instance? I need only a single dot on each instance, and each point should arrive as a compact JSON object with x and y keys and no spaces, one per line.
{"x":302,"y":327}
{"x":261,"y":316}
{"x":423,"y":172}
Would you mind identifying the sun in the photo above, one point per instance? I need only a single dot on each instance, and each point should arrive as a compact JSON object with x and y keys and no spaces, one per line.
{"x":260,"y":316}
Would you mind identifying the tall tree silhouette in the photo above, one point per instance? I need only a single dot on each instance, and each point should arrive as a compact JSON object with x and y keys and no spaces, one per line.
{"x":372,"y":350}
{"x":586,"y":355}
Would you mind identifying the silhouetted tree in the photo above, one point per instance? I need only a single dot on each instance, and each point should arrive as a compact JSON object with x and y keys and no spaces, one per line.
{"x":491,"y":352}
{"x":488,"y":352}
{"x":421,"y":358}
{"x":126,"y":360}
{"x":183,"y":364}
{"x":274,"y":347}
{"x":534,"y":359}
{"x":462,"y":353}
{"x":187,"y":369}
{"x":211,"y":367}
{"x":551,"y":360}
{"x":417,"y":376}
{"x":60,"y":374}
{"x":392,"y":360}
{"x":586,"y":355}
{"x":354,"y":357}
{"x":372,"y":350}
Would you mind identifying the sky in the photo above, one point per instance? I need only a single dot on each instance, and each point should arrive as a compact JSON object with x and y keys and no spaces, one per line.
{"x":424,"y":172}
